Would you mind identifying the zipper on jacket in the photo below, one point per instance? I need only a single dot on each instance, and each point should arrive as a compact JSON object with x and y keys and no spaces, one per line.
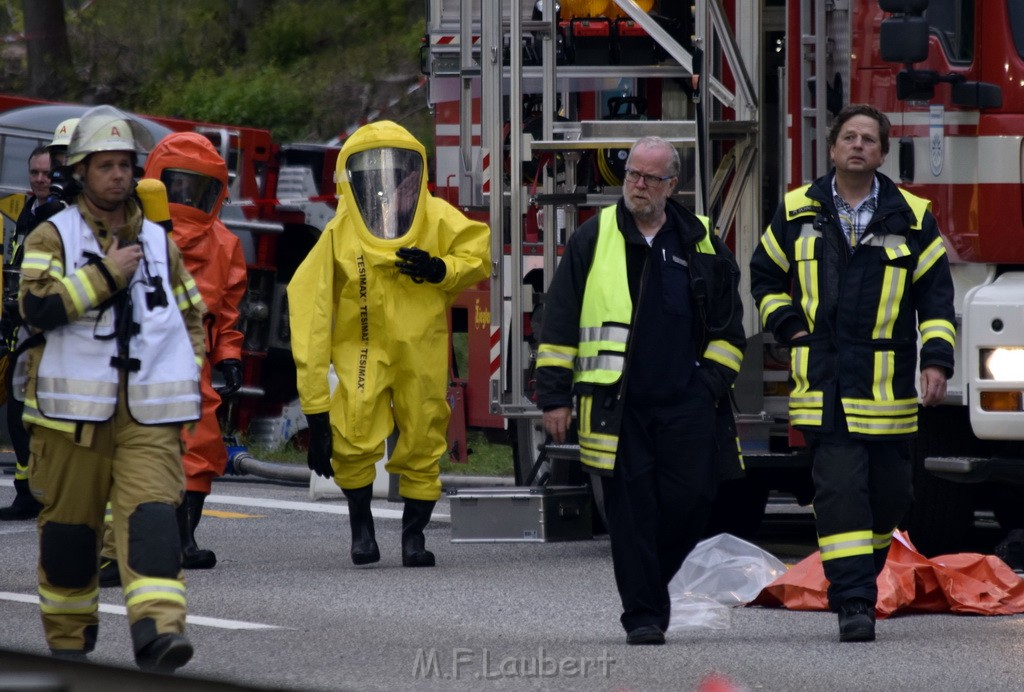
{"x":609,"y":403}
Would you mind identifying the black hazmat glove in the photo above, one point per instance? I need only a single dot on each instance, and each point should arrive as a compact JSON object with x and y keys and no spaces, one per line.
{"x":231,"y":370}
{"x":419,"y":265}
{"x":318,"y":458}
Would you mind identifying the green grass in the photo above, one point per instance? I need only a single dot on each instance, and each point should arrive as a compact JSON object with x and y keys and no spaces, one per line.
{"x":488,"y":456}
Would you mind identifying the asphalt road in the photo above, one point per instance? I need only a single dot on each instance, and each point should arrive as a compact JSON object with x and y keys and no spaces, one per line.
{"x":286,"y":609}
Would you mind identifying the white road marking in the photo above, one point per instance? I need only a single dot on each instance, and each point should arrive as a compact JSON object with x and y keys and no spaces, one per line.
{"x":341,"y":508}
{"x":190,"y":619}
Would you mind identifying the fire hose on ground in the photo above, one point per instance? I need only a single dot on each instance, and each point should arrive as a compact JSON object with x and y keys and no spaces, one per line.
{"x":241,"y":463}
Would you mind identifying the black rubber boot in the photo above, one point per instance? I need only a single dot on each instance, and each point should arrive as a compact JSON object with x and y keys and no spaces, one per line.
{"x":190,"y":511}
{"x":24,"y":505}
{"x":360,"y":518}
{"x":414,"y":519}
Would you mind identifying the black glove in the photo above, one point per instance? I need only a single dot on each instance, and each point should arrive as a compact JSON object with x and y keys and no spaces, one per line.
{"x":318,"y":458}
{"x":420,"y":265}
{"x":231,"y":370}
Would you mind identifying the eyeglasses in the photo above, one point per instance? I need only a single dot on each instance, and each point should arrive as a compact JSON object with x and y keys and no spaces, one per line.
{"x":649,"y":180}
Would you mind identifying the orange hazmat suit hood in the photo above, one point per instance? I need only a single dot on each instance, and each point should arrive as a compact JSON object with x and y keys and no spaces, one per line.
{"x":188,"y":154}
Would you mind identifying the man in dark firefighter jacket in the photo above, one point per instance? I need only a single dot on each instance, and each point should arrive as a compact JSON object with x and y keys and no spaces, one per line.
{"x":643,"y":322}
{"x":850,"y":272}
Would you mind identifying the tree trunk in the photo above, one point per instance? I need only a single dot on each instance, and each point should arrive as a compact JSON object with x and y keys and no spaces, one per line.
{"x":49,"y":55}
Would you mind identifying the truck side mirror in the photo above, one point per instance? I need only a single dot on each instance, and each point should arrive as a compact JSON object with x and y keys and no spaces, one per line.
{"x":977,"y":94}
{"x":904,"y":39}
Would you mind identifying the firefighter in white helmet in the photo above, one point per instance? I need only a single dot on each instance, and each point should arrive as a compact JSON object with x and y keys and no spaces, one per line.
{"x":113,"y":373}
{"x":58,"y":146}
{"x":371,"y":298}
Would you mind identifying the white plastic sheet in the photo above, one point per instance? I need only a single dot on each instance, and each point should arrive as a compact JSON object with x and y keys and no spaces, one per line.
{"x":720,"y":572}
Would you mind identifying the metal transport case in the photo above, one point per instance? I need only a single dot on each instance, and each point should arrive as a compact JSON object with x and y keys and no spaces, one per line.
{"x":536,"y":514}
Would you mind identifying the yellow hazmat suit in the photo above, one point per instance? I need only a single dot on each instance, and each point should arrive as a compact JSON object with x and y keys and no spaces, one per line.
{"x":385,"y":333}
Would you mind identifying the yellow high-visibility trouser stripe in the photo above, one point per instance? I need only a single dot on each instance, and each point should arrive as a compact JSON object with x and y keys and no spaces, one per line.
{"x":153,"y":589}
{"x":53,"y":603}
{"x":845,"y":545}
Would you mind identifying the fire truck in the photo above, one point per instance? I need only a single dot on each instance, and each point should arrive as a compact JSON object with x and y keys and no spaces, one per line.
{"x":536,"y":104}
{"x":280,"y":197}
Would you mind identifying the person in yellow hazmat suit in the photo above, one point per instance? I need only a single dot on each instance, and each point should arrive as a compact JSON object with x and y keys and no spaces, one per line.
{"x":371,"y":298}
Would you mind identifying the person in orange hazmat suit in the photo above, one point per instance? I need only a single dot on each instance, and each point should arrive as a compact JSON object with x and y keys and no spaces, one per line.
{"x":196,"y":179}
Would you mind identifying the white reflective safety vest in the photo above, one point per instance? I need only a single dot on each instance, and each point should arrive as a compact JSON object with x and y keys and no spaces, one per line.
{"x":78,"y":377}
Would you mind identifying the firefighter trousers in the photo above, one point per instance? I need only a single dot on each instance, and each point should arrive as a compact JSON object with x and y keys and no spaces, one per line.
{"x":862,"y":489}
{"x":138,"y":468}
{"x":658,"y":499}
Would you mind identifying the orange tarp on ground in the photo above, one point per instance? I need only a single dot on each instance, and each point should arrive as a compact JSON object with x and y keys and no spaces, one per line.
{"x":911,"y":583}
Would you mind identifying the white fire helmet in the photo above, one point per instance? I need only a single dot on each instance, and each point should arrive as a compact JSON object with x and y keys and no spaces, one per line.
{"x":62,"y":135}
{"x":104,"y":128}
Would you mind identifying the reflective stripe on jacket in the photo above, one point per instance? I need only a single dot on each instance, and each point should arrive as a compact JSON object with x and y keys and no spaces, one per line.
{"x":863,"y":308}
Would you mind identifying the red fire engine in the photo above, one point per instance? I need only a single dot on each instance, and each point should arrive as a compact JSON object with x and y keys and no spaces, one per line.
{"x":537,"y":102}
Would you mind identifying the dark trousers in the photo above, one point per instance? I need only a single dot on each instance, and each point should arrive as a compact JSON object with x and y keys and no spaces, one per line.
{"x":659,"y":499}
{"x":862,"y":489}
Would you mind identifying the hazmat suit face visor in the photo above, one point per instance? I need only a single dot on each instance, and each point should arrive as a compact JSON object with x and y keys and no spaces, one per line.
{"x":191,"y":188}
{"x":386,"y":186}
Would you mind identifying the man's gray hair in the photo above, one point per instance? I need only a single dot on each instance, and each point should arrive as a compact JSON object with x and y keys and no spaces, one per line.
{"x":652,"y":142}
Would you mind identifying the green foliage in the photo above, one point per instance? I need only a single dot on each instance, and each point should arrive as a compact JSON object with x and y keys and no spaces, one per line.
{"x":304,"y":69}
{"x":265,"y":97}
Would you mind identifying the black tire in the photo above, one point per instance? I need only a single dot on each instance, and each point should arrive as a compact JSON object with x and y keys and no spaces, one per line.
{"x":941,"y":518}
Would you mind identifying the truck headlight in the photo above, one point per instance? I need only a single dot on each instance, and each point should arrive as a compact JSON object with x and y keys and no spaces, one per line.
{"x":1002,"y":364}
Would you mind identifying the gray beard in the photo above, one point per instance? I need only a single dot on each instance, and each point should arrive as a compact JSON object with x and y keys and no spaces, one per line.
{"x":643,"y":212}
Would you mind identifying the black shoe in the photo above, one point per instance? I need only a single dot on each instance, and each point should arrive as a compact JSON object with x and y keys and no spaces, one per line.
{"x":110,"y":575}
{"x":190,"y":511}
{"x":857,"y":621}
{"x":646,"y":634}
{"x":75,"y":655}
{"x":165,"y":654}
{"x":360,"y":519}
{"x":23,"y":507}
{"x":415,"y":518}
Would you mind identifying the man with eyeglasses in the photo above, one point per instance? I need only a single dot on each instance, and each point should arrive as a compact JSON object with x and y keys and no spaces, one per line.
{"x":642,"y":323}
